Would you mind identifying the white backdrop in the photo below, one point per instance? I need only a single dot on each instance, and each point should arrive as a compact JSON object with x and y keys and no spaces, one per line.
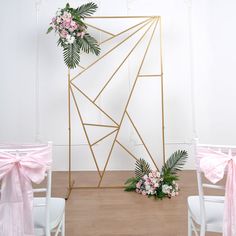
{"x":199,"y":50}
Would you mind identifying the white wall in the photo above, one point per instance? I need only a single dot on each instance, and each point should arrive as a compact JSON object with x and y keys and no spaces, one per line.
{"x":33,"y":93}
{"x":214,"y":72}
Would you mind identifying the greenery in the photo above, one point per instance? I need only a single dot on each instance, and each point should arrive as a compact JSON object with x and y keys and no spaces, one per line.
{"x":72,"y":30}
{"x":142,"y":168}
{"x":154,"y":183}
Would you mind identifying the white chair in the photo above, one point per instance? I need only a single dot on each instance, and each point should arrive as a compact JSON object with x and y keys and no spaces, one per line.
{"x":48,"y":212}
{"x":205,"y":213}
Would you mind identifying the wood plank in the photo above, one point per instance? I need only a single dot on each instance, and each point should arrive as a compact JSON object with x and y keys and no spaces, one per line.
{"x":108,"y":212}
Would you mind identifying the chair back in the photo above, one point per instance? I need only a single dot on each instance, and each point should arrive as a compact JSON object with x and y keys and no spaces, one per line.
{"x":45,"y":191}
{"x":202,"y":182}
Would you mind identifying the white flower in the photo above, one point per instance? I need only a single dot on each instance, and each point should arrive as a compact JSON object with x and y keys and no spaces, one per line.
{"x":145,"y":177}
{"x":70,"y":39}
{"x":58,"y":13}
{"x":166,"y":188}
{"x":58,"y":20}
{"x":147,"y":187}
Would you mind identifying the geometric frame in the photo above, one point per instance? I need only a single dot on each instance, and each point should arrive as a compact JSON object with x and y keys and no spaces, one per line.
{"x":151,"y":22}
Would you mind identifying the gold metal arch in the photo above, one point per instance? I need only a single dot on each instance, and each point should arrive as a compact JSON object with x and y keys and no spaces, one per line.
{"x":151,"y":23}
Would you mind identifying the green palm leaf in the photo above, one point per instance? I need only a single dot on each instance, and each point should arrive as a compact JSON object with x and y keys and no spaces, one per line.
{"x":175,"y":162}
{"x":89,"y":44}
{"x":142,"y":168}
{"x":87,"y":9}
{"x":71,"y":55}
{"x":131,"y":184}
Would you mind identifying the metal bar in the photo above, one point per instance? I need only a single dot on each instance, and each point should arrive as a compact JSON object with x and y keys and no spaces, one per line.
{"x":99,"y":184}
{"x":96,"y":187}
{"x":125,"y":111}
{"x":107,"y":53}
{"x":116,"y":35}
{"x":162,"y":96}
{"x":69,"y":127}
{"x":95,"y":104}
{"x":149,"y":75}
{"x":108,"y":126}
{"x":140,"y":137}
{"x":104,"y":137}
{"x":85,"y":132}
{"x":117,"y":17}
{"x":69,"y":190}
{"x":130,"y":153}
{"x":117,"y":69}
{"x":124,"y":31}
{"x":82,"y":67}
{"x":104,"y":31}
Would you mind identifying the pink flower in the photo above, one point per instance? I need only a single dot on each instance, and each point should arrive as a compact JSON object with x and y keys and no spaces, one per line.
{"x":148,"y":181}
{"x":54,"y":19}
{"x":58,"y":19}
{"x":72,"y":23}
{"x":138,"y":185}
{"x":150,"y":175}
{"x":63,"y":33}
{"x":66,"y":24}
{"x":144,"y":192}
{"x":66,"y":15}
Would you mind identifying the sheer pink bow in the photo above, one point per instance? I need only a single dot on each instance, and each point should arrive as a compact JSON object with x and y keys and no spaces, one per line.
{"x":17,"y":171}
{"x":213,"y":164}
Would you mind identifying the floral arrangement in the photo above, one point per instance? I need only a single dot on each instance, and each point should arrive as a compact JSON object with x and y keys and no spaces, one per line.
{"x":72,"y":31}
{"x":157,"y":183}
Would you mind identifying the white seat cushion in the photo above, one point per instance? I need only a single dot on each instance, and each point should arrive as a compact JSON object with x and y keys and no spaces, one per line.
{"x":56,"y":209}
{"x":214,"y":212}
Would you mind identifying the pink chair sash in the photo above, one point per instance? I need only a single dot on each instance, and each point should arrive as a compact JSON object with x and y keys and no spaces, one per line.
{"x":17,"y":172}
{"x":213,"y":164}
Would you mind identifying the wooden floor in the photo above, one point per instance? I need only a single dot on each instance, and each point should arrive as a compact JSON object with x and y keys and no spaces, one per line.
{"x":113,"y":212}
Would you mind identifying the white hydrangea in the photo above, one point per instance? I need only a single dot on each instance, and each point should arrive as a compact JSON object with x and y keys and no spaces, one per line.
{"x":59,"y":12}
{"x":70,"y":39}
{"x":166,"y":188}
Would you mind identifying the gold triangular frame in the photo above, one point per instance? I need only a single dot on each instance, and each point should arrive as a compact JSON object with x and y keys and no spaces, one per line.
{"x":152,"y":21}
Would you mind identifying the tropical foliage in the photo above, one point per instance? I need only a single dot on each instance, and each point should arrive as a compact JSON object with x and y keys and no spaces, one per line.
{"x":157,"y":183}
{"x":73,"y":36}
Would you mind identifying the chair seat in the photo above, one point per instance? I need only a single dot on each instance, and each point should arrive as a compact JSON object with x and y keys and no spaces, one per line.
{"x":56,"y":209}
{"x":214,"y":211}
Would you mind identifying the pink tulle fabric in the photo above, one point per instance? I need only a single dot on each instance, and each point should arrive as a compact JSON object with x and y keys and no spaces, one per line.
{"x":214,"y":163}
{"x":17,"y":172}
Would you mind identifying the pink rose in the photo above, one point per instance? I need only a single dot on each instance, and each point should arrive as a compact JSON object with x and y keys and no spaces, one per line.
{"x":67,"y":20}
{"x":138,"y":185}
{"x":72,"y":23}
{"x":66,"y":24}
{"x":148,"y":180}
{"x":63,"y":33}
{"x":54,"y":19}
